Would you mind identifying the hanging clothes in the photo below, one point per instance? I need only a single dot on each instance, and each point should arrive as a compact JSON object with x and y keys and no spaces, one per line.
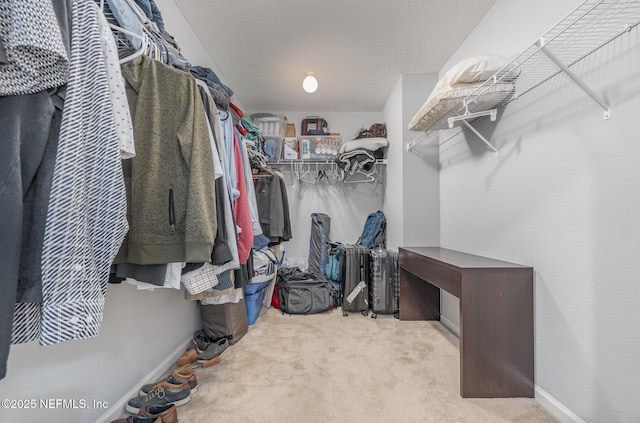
{"x":25,"y":121}
{"x":117,"y":92}
{"x":241,"y":207}
{"x":221,"y":251}
{"x":220,"y":92}
{"x":86,"y":220}
{"x":150,"y":9}
{"x":170,"y":184}
{"x":34,"y":57}
{"x":127,"y":19}
{"x":251,"y":191}
{"x":273,"y":204}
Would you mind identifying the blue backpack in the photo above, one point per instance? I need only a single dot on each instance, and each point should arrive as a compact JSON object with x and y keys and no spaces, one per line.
{"x":332,"y":268}
{"x":374,"y":233}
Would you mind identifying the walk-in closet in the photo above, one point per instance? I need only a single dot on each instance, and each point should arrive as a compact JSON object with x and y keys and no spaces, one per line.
{"x":409,"y":211}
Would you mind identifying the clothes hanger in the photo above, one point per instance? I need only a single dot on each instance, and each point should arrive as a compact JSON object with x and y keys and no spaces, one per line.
{"x":143,"y":39}
{"x":367,"y":177}
{"x":301,"y":177}
{"x":136,"y":53}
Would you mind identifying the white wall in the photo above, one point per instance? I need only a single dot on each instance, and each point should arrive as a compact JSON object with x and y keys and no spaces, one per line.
{"x":140,"y":330}
{"x":412,"y":203}
{"x":561,"y":196}
{"x":421,"y":214}
{"x":347,"y":204}
{"x":393,"y":205}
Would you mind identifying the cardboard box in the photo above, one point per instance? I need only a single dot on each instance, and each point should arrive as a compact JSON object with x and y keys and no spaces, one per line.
{"x":291,"y":130}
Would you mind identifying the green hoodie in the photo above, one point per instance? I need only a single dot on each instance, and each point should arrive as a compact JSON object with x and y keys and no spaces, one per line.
{"x":170,"y":182}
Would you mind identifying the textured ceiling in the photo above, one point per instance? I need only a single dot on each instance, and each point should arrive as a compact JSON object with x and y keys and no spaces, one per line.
{"x":357,"y":48}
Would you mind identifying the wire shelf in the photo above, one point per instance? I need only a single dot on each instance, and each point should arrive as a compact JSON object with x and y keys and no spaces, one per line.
{"x":589,"y":27}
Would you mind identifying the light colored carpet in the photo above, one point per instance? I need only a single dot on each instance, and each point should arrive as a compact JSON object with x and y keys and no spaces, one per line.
{"x":330,"y":368}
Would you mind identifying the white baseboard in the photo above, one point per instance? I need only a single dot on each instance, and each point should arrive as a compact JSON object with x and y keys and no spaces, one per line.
{"x":118,"y":409}
{"x":450,"y":325}
{"x":555,"y":407}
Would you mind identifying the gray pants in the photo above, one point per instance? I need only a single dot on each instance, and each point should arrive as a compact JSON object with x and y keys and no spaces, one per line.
{"x":26,"y":169}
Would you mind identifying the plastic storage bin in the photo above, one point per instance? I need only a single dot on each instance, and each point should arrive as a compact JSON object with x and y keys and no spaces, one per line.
{"x":323,"y":147}
{"x":270,"y":123}
{"x":273,"y":147}
{"x":253,"y":298}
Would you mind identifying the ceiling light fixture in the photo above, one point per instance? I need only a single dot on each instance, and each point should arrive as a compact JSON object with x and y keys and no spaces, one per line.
{"x":310,"y":83}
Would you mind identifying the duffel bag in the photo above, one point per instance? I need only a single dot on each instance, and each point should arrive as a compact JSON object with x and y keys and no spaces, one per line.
{"x":307,"y":294}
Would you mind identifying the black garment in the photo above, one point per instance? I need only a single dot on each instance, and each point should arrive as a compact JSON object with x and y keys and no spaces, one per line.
{"x":269,"y":202}
{"x":221,"y":253}
{"x":25,"y":121}
{"x":153,"y":274}
{"x":241,"y":276}
{"x":273,"y":204}
{"x":287,"y":234}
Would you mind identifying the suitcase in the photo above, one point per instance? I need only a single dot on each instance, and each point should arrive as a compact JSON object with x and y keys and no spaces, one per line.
{"x":354,"y":279}
{"x":385,"y":287}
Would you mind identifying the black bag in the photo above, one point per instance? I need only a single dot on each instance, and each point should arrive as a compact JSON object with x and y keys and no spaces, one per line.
{"x":314,"y":125}
{"x":303,"y":293}
{"x":318,"y":242}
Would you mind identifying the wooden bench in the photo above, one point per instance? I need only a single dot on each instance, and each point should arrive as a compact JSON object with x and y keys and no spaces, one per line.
{"x":496,"y":315}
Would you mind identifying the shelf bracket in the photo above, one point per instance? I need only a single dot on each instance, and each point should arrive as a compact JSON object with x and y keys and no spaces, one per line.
{"x":607,"y":110}
{"x":479,"y":135}
{"x":491,"y":113}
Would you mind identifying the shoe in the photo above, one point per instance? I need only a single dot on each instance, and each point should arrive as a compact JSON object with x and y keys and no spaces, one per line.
{"x":213,"y":350}
{"x":190,"y":356}
{"x":163,"y":393}
{"x":177,"y":377}
{"x":167,"y":413}
{"x":138,"y":419}
{"x":201,"y":340}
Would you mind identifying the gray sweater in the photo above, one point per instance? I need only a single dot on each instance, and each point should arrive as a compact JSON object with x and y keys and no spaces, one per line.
{"x":170,"y":182}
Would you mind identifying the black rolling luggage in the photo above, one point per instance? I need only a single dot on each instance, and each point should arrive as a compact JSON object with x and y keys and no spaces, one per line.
{"x":384,"y":282}
{"x":354,"y":279}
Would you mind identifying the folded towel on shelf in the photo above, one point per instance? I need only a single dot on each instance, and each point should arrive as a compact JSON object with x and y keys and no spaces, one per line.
{"x":371,"y":144}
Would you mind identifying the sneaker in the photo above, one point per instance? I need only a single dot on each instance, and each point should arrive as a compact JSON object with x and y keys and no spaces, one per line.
{"x":213,"y":350}
{"x":163,"y":393}
{"x":138,"y":419}
{"x":201,"y":340}
{"x":167,"y":413}
{"x":177,"y":377}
